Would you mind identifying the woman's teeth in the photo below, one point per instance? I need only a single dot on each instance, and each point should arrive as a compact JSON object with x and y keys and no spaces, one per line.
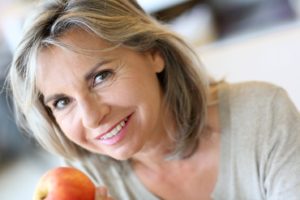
{"x":114,"y":131}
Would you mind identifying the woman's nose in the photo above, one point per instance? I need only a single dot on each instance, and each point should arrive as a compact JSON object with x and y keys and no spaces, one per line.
{"x":92,"y":110}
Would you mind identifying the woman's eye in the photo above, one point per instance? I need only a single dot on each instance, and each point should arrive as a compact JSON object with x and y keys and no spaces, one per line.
{"x":101,"y":76}
{"x":61,"y":103}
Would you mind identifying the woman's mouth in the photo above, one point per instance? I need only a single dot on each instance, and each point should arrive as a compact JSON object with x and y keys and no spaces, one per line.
{"x":115,"y":131}
{"x":116,"y":134}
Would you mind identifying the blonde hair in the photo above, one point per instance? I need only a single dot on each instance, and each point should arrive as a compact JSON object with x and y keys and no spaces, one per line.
{"x":120,"y":22}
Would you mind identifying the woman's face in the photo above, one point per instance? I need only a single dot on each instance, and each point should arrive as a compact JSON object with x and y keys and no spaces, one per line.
{"x":107,"y":102}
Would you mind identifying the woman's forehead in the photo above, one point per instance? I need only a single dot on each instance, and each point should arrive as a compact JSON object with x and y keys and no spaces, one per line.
{"x":80,"y":39}
{"x":75,"y":42}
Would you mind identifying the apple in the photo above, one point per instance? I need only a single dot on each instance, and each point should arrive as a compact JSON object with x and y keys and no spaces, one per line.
{"x":64,"y":183}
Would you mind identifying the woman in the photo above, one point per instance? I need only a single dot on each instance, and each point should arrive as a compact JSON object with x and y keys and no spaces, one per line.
{"x":116,"y":94}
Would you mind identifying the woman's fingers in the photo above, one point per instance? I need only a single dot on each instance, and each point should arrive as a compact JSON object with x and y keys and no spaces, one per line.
{"x":102,"y":194}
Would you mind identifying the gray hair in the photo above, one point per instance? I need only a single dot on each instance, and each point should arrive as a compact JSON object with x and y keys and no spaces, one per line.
{"x":120,"y":22}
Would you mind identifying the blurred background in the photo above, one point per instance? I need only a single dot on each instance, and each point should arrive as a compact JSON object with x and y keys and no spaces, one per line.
{"x":237,"y":40}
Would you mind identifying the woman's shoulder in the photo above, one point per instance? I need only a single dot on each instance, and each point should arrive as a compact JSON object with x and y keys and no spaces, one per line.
{"x":251,"y":94}
{"x":256,"y":105}
{"x":259,"y":123}
{"x":249,"y":104}
{"x":250,"y":88}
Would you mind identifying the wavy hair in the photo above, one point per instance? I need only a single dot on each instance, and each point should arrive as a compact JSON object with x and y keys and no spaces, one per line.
{"x":119,"y":22}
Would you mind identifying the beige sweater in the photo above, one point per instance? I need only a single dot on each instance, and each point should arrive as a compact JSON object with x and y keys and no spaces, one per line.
{"x":260,"y":149}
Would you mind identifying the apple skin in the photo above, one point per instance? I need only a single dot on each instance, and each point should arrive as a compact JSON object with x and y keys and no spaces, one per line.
{"x":64,"y":183}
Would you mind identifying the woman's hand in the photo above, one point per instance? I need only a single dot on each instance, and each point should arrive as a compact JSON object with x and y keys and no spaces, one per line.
{"x":102,"y":194}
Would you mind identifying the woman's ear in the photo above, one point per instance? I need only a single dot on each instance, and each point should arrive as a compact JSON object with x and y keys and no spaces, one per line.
{"x":157,"y":60}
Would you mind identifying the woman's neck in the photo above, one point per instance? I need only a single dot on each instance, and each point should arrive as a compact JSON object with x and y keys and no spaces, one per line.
{"x":153,"y":156}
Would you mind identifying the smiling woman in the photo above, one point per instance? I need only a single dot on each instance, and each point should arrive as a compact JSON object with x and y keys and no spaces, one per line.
{"x":112,"y":27}
{"x":115,"y":93}
{"x":94,"y":96}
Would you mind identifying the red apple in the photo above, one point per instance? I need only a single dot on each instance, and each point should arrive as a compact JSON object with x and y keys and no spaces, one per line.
{"x":64,"y":183}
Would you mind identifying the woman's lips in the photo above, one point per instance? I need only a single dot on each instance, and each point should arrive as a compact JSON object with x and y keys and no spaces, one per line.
{"x":113,"y":131}
{"x":115,"y":134}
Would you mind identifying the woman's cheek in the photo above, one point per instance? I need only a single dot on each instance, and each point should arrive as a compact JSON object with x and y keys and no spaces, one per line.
{"x":69,"y":127}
